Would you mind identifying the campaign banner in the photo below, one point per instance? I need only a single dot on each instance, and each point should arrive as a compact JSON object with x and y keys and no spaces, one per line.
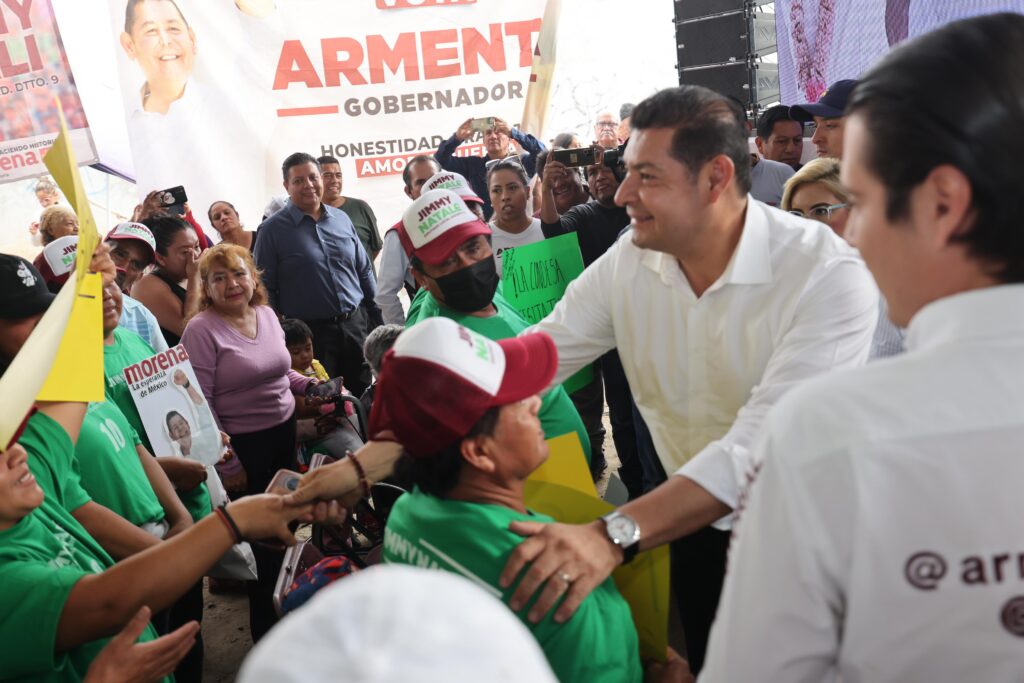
{"x":824,"y":41}
{"x":534,"y":279}
{"x":34,"y":76}
{"x":217,"y":94}
{"x":174,"y":412}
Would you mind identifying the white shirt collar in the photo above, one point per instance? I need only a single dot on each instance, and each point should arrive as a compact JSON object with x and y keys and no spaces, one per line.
{"x":975,"y":314}
{"x":750,"y":264}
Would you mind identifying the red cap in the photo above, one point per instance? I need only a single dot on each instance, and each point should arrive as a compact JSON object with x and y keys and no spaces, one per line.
{"x":436,"y":224}
{"x":456,"y":182}
{"x":440,"y":378}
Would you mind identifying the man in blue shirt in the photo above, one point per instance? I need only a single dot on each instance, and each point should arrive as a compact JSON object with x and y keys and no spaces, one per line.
{"x":496,"y":144}
{"x":315,"y":269}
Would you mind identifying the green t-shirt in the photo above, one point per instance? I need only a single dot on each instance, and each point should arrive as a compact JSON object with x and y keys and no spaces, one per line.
{"x":129,"y":348}
{"x":51,"y":462}
{"x":41,"y":559}
{"x":557,"y":414}
{"x":109,"y":466}
{"x":361,"y":215}
{"x":598,"y":644}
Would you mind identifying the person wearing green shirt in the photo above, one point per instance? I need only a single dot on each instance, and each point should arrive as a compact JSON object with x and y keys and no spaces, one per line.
{"x":62,"y":593}
{"x":450,"y":252}
{"x":118,"y":472}
{"x":465,"y":410}
{"x":122,"y":348}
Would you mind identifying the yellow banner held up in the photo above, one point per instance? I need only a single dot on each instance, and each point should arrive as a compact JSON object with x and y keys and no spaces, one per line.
{"x":77,"y":372}
{"x":62,"y":360}
{"x":562,"y":488}
{"x":63,"y":166}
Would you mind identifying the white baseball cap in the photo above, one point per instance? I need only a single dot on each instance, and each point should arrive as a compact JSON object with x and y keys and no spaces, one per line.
{"x":436,"y":224}
{"x":397,"y":624}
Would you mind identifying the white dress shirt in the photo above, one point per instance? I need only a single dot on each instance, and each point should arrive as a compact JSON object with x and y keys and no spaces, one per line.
{"x":794,"y":301}
{"x":392,"y":274}
{"x":882,"y":539}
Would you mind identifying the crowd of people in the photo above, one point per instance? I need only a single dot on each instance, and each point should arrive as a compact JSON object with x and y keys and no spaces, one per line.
{"x":812,"y":372}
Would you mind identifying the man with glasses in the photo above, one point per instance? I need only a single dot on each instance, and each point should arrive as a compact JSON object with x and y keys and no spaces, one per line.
{"x":133,"y":250}
{"x":606,"y":129}
{"x":496,"y":142}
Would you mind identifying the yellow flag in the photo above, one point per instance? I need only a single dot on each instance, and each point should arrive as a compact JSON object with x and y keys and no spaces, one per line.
{"x":69,"y":336}
{"x":566,"y":465}
{"x":644,"y":582}
{"x":60,"y":160}
{"x":77,"y":372}
{"x":562,"y":488}
{"x":27,"y":372}
{"x":542,"y":74}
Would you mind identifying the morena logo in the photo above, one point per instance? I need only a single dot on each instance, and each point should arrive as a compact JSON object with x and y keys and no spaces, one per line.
{"x":412,"y":4}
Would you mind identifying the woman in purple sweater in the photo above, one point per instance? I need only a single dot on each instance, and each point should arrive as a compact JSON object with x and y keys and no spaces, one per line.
{"x":237,"y":349}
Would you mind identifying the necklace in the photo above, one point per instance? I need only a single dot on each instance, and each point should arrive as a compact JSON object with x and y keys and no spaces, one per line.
{"x":811,"y":61}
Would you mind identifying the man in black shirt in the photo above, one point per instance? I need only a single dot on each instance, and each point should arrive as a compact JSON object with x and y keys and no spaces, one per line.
{"x":597,"y":224}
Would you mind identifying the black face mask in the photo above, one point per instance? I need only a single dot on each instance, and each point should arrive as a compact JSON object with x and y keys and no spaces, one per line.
{"x":472,"y":288}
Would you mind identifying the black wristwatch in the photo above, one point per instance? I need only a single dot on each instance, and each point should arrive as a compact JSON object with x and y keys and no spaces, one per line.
{"x":624,"y":532}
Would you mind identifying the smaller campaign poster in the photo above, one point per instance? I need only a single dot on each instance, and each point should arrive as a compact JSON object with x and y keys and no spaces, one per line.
{"x":34,"y":75}
{"x":175,"y":414}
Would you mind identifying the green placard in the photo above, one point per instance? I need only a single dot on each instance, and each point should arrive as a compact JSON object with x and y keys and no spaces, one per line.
{"x":534,"y":279}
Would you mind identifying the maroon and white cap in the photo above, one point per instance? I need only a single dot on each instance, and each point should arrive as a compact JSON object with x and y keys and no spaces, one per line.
{"x":58,"y":259}
{"x":456,"y":182}
{"x":134,"y":231}
{"x":436,"y":224}
{"x":439,"y":379}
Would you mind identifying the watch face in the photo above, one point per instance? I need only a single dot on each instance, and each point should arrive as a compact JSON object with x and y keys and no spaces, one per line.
{"x":622,"y":530}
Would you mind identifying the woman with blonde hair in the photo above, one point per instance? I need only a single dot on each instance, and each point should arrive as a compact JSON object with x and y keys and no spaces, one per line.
{"x":57,"y":221}
{"x":815,"y":192}
{"x":237,"y":349}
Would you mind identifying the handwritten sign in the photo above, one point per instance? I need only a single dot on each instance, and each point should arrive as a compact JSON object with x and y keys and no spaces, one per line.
{"x":534,"y":279}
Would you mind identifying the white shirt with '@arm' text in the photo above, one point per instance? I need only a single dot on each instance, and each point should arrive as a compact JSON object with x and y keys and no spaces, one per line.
{"x":795,"y":301}
{"x":883,"y":537}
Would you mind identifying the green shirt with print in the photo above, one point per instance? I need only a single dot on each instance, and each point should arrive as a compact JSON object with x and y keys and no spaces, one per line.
{"x":42,"y":557}
{"x":54,"y":467}
{"x":128,"y":349}
{"x":557,"y":414}
{"x":599,"y":644}
{"x":109,"y":466}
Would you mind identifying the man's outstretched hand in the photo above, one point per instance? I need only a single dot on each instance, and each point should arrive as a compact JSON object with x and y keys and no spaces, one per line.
{"x":125,"y":661}
{"x":563,"y":559}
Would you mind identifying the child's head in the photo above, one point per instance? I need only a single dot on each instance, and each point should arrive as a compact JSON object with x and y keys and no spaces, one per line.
{"x":299,"y":340}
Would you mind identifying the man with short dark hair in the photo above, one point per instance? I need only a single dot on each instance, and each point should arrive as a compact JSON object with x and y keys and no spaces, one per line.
{"x":358,"y":211}
{"x":780,"y":137}
{"x":394,"y":264}
{"x":881,"y":538}
{"x":718,"y":305}
{"x":315,"y":269}
{"x":598,"y":224}
{"x":497,"y":141}
{"x":828,"y":117}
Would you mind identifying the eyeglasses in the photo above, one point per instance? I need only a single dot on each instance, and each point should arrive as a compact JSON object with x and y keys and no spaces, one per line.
{"x":607,"y":124}
{"x":820,"y":213}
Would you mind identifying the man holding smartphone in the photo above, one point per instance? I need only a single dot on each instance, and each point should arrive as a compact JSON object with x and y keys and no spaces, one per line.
{"x":496,"y":139}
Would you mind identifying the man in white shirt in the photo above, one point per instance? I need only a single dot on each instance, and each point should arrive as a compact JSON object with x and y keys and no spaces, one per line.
{"x":394,"y":264}
{"x":718,"y":305}
{"x":882,"y":538}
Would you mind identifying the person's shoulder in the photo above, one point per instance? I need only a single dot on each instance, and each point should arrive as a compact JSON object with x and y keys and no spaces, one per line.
{"x":776,"y":168}
{"x":357,"y":203}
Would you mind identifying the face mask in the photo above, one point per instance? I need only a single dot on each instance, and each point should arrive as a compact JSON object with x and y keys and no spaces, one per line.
{"x":470,"y":289}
